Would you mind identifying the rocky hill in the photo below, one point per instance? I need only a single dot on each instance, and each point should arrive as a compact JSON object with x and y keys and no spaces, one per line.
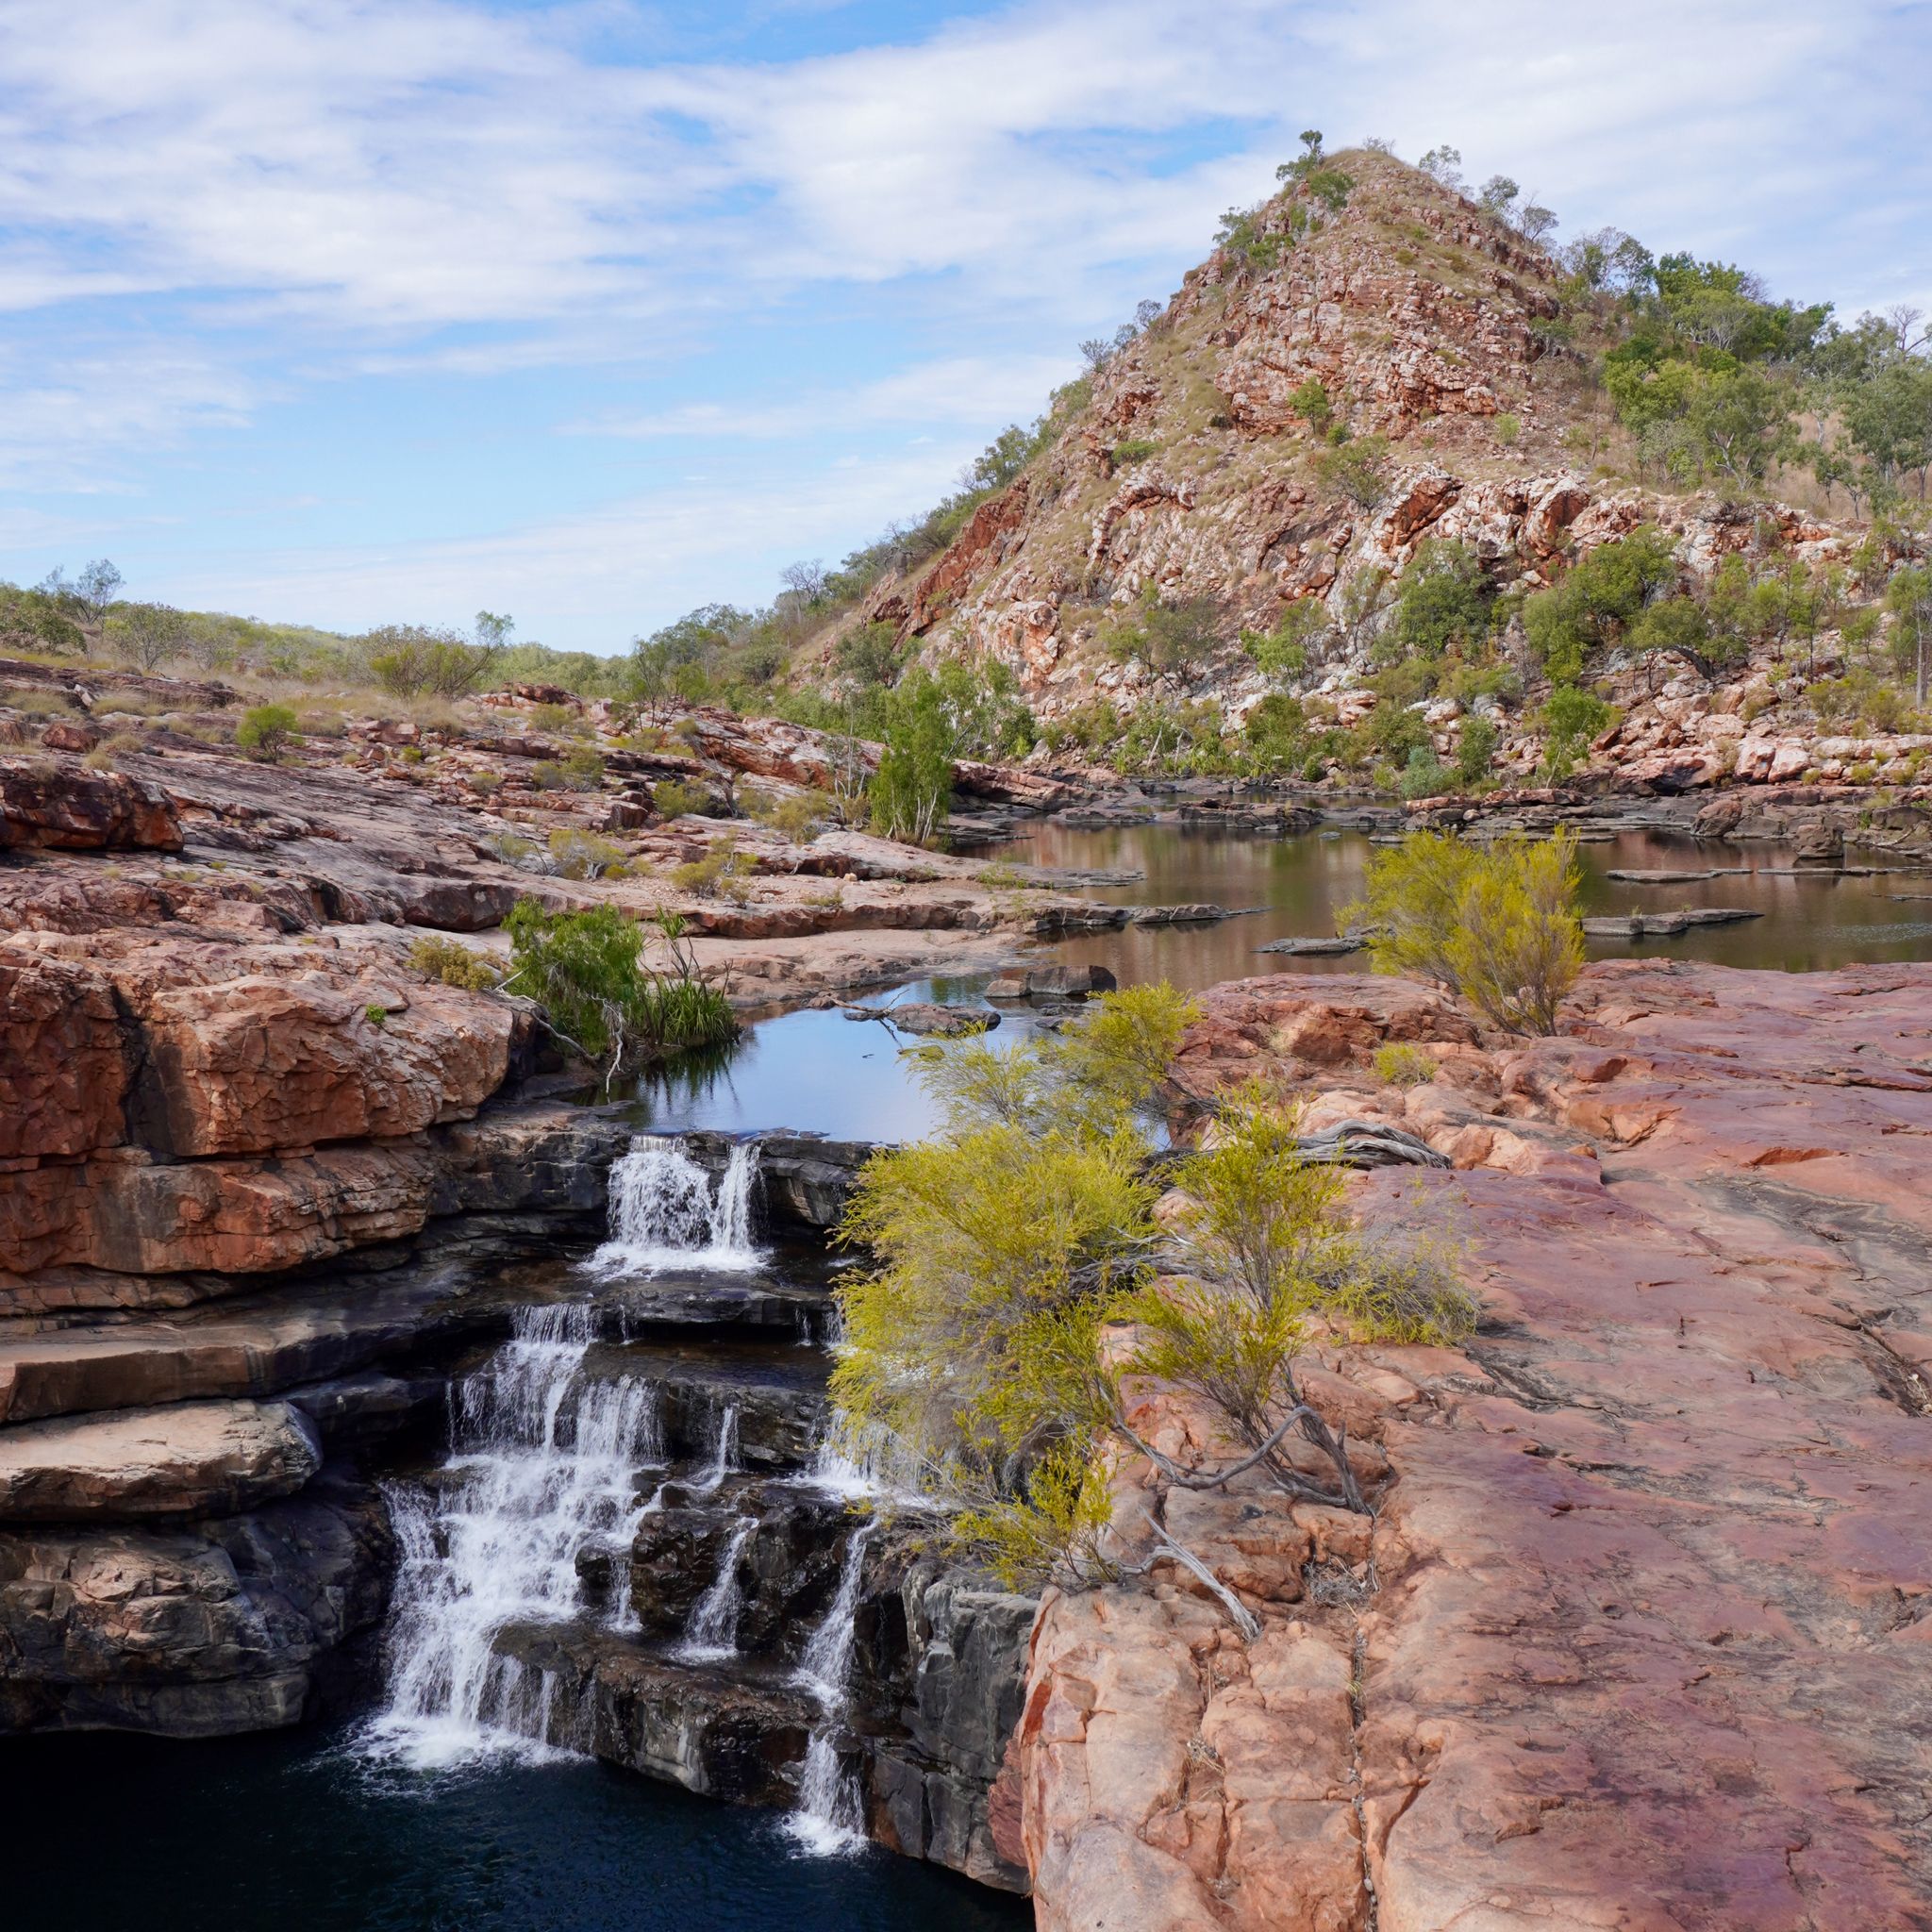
{"x":1279,"y":447}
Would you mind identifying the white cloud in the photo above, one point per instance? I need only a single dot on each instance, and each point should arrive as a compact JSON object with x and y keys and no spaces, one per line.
{"x":595,"y":579}
{"x":209,"y":203}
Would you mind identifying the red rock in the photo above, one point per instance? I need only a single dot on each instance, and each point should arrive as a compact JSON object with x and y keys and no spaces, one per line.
{"x":248,"y":1065}
{"x":63,"y":1066}
{"x":66,"y":806}
{"x":1646,"y":1648}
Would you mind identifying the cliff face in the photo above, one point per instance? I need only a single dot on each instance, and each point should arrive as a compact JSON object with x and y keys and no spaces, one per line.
{"x":1637,"y":1635}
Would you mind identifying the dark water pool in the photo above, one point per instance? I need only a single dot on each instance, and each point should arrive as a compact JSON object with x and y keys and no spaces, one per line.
{"x":289,"y":1832}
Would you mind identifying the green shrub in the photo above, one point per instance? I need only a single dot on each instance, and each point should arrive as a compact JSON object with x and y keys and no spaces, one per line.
{"x":1475,"y":750}
{"x":675,"y":799}
{"x":1571,"y":717}
{"x":1444,"y":600}
{"x":452,"y":963}
{"x":580,"y":855}
{"x":1506,"y":429}
{"x":913,"y":787}
{"x":266,"y":730}
{"x":798,"y":816}
{"x":585,"y":970}
{"x":1312,"y":403}
{"x":1136,"y":449}
{"x":1402,"y":1065}
{"x":1425,"y":776}
{"x":484,"y":784}
{"x":723,"y":873}
{"x":1497,"y":925}
{"x":1358,"y":470}
{"x":413,"y":659}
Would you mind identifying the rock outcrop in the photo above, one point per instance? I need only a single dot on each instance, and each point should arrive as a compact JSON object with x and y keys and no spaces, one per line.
{"x":1634,"y":1636}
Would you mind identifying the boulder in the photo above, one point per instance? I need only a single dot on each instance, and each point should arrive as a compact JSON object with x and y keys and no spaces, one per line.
{"x":924,"y":1016}
{"x":192,"y":1459}
{"x":1067,"y":982}
{"x":61,"y":804}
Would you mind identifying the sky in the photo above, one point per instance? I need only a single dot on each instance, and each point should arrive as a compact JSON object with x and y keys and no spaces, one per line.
{"x":357,"y":311}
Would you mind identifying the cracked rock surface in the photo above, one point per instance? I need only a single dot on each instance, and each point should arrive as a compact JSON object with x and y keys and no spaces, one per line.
{"x":1636,"y":1639}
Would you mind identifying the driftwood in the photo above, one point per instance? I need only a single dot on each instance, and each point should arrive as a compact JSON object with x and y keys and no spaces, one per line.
{"x":1368,"y":1143}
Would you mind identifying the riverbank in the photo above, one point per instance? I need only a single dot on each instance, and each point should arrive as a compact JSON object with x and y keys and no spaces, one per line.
{"x":268,"y":1197}
{"x":1635,"y":1634}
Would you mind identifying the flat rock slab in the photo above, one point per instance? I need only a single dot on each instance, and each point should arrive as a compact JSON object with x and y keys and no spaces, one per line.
{"x":1664,"y":925}
{"x":1177,"y":915}
{"x":189,"y":1458}
{"x":1315,"y":948}
{"x":1662,"y":877}
{"x":926,"y":1016}
{"x":253,"y":1349}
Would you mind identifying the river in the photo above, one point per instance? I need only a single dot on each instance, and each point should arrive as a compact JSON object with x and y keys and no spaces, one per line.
{"x":817,"y":1071}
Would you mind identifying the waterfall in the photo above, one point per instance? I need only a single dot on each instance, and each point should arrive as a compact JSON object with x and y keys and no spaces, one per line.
{"x":712,"y":1631}
{"x":827,"y":1660}
{"x":724,"y":1455}
{"x":829,"y":1818}
{"x":859,"y":1462}
{"x":542,"y":1464}
{"x":665,"y":1212}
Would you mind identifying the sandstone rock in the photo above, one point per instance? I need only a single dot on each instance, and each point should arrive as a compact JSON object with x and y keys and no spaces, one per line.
{"x":195,"y":1459}
{"x":251,"y":1064}
{"x":63,"y":805}
{"x":63,"y":1061}
{"x":1649,"y":1577}
{"x":227,"y":1626}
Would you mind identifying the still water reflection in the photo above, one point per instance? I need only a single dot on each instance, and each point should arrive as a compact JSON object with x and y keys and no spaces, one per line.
{"x":822,"y":1071}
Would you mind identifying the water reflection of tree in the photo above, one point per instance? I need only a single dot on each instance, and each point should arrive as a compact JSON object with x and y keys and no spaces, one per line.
{"x":689,"y":1078}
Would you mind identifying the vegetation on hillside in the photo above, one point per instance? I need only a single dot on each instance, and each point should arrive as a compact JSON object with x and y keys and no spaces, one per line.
{"x":1674,"y":371}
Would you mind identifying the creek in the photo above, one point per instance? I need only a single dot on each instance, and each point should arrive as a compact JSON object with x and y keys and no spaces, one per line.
{"x":818,"y":1071}
{"x":629,"y":1410}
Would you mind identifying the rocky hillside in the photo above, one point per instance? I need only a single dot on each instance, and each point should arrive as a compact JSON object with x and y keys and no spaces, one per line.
{"x":1294,"y":428}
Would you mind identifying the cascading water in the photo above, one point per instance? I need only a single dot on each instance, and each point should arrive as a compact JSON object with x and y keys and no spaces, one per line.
{"x":713,"y":1632}
{"x":724,"y":1455}
{"x":860,"y":1463}
{"x":666,"y":1213}
{"x":543,"y":1464}
{"x":830,"y":1820}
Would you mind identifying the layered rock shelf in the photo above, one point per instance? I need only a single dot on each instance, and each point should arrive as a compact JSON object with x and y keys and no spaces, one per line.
{"x":1635,"y":1637}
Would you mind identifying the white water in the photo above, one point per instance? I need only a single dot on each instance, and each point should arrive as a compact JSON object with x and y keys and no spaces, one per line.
{"x":830,"y":1820}
{"x":724,"y":1455}
{"x":666,"y":1213}
{"x":544,"y":1464}
{"x":860,"y":1463}
{"x":712,"y":1633}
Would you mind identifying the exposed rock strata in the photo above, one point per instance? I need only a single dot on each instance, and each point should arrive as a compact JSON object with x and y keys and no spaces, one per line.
{"x":1634,"y":1640}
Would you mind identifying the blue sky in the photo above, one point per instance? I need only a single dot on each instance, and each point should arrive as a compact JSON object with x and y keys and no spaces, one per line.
{"x":346,"y":312}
